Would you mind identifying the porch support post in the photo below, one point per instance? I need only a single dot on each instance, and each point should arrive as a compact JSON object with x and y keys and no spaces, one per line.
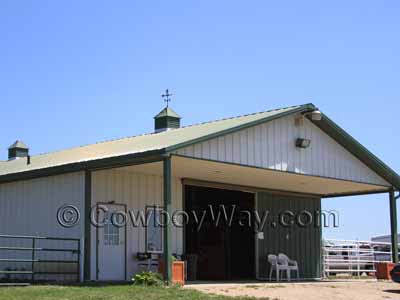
{"x":393,"y":227}
{"x":167,"y":226}
{"x":87,"y":225}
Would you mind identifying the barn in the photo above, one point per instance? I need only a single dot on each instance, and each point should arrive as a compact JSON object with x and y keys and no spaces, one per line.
{"x":282,"y":161}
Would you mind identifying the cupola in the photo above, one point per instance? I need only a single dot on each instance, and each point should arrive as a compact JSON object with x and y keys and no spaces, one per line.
{"x":166,"y":119}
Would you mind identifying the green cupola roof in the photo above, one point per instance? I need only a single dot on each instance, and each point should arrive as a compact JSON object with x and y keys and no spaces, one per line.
{"x":167,"y":112}
{"x":17,"y":150}
{"x":166,"y":119}
{"x":18,"y":144}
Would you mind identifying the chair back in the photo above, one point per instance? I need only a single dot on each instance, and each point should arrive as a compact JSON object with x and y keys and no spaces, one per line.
{"x":272,"y":259}
{"x":283,"y":259}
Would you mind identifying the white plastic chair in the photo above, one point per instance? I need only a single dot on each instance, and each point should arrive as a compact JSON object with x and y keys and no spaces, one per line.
{"x":273,"y":261}
{"x":285,"y":263}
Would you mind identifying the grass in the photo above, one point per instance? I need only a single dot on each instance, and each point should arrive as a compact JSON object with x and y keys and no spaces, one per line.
{"x":106,"y":292}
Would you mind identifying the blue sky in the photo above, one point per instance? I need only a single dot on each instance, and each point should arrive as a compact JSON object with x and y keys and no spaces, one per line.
{"x":78,"y":72}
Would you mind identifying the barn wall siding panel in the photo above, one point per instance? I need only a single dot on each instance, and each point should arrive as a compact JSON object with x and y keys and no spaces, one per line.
{"x":30,"y":207}
{"x":302,"y":244}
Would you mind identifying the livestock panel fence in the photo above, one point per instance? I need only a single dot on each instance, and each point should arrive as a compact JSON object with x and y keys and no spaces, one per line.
{"x":353,"y":258}
{"x":39,"y":259}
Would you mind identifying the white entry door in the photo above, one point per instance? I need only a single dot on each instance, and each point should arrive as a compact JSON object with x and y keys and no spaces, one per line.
{"x":111,"y":245}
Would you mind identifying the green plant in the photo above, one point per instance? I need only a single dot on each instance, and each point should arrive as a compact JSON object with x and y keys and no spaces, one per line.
{"x":148,"y":278}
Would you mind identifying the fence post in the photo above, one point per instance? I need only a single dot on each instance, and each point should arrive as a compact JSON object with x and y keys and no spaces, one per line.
{"x":33,"y":259}
{"x":78,"y":274}
{"x":358,"y":258}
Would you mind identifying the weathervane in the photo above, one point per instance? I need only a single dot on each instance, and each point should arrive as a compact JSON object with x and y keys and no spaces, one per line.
{"x":166,"y":96}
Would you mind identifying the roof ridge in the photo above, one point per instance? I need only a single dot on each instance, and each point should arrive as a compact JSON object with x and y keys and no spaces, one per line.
{"x":163,"y":132}
{"x":245,"y":115}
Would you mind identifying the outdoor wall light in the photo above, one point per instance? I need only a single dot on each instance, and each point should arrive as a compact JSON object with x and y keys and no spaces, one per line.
{"x":303,"y":143}
{"x":316,"y":115}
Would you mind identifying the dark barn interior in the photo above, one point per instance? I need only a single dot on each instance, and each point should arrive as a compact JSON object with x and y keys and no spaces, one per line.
{"x":224,"y":251}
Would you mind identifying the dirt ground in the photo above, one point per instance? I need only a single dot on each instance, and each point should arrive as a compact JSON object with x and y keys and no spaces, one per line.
{"x":325,"y":290}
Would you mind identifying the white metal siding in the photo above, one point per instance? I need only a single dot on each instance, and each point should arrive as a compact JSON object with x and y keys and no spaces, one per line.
{"x":136,"y":191}
{"x":30,"y":207}
{"x":272,"y":145}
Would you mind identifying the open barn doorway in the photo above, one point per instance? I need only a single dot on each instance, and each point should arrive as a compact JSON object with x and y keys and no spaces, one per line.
{"x":225,"y":250}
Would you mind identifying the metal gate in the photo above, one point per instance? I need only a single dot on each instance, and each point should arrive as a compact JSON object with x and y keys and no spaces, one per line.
{"x":354,"y":258}
{"x":39,"y":259}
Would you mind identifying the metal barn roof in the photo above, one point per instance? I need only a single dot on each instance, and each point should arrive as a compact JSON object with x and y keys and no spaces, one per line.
{"x":157,"y":143}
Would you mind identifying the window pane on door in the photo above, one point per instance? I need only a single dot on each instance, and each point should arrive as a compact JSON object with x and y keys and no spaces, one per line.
{"x":111,"y":232}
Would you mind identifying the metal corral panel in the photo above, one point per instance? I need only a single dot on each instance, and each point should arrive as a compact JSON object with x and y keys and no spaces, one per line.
{"x":302,"y":244}
{"x":136,"y":191}
{"x":272,"y":145}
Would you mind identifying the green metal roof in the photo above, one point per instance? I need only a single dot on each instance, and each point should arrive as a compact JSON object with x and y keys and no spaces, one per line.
{"x":121,"y":150}
{"x":167,"y":112}
{"x":167,"y":140}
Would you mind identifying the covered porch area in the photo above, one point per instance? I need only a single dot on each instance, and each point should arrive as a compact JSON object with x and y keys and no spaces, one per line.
{"x":287,"y":204}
